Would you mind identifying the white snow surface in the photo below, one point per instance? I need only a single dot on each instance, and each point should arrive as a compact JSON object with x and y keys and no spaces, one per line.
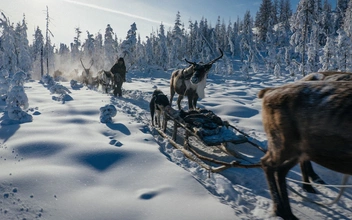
{"x":67,"y":164}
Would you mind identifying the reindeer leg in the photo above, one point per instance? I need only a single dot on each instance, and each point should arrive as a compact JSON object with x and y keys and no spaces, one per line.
{"x":306,"y":169}
{"x":275,"y":176}
{"x":152,"y":110}
{"x":270,"y":174}
{"x":195,"y":99}
{"x":285,"y":212}
{"x":172,"y":93}
{"x":312,"y":174}
{"x":179,"y":99}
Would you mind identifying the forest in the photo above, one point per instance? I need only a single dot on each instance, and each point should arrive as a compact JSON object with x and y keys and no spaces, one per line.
{"x":276,"y":40}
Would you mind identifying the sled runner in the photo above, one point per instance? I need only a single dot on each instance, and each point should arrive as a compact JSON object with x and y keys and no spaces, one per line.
{"x":205,"y":138}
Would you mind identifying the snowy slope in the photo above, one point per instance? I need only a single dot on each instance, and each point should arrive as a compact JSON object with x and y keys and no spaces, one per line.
{"x":66,"y":164}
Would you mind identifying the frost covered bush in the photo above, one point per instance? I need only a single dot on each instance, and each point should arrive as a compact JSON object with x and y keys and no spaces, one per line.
{"x":62,"y":91}
{"x":17,"y":101}
{"x":59,"y":89}
{"x":48,"y":80}
{"x":16,"y":113}
{"x":75,"y":85}
{"x":4,"y":84}
{"x":18,"y":79}
{"x":16,"y":97}
{"x":106,"y":113}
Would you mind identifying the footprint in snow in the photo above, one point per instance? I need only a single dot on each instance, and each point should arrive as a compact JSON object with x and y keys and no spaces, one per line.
{"x":115,"y":143}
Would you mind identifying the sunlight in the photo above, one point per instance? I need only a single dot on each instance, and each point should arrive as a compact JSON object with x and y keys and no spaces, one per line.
{"x":114,"y":11}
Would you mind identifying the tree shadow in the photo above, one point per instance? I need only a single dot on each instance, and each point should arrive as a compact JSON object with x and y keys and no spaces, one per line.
{"x":7,"y":127}
{"x":119,"y":127}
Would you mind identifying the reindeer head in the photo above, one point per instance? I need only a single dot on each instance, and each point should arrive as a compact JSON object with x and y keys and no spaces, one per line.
{"x":86,"y":70}
{"x":201,"y":69}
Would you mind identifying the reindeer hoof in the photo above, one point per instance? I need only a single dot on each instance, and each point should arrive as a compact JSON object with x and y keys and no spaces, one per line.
{"x":309,"y":189}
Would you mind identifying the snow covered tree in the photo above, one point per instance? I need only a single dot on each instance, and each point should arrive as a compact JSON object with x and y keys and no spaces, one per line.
{"x":76,"y":45}
{"x":99,"y":52}
{"x":313,"y":49}
{"x":7,"y":45}
{"x":24,"y":61}
{"x":4,"y":84}
{"x":128,"y":45}
{"x":88,"y":46}
{"x":285,"y":13}
{"x":177,"y":46}
{"x":347,"y":22}
{"x":17,"y":100}
{"x":328,"y":60}
{"x":247,"y":45}
{"x":162,"y":48}
{"x":301,"y":25}
{"x":341,"y":7}
{"x":263,"y":20}
{"x":109,"y":47}
{"x":326,"y":22}
{"x":344,"y":54}
{"x":37,"y":52}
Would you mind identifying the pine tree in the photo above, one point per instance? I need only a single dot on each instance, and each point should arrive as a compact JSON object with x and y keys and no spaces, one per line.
{"x":264,"y":19}
{"x":326,"y":22}
{"x":301,"y":24}
{"x":37,"y":52}
{"x":128,"y":45}
{"x":344,"y":58}
{"x":7,"y":44}
{"x":341,"y":7}
{"x":24,"y":61}
{"x":88,"y":46}
{"x":347,"y":22}
{"x":328,"y":60}
{"x":109,"y":47}
{"x":162,"y":48}
{"x":99,"y":52}
{"x":76,"y":45}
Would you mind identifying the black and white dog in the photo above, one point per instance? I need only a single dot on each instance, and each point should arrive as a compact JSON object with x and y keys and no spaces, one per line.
{"x":157,"y":105}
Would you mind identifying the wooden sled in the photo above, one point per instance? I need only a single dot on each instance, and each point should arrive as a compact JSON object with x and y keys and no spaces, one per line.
{"x":208,"y":140}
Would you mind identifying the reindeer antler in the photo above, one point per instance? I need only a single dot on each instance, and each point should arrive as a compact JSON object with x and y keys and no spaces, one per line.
{"x":82,"y":63}
{"x":192,"y":63}
{"x":91,"y":64}
{"x":216,"y":59}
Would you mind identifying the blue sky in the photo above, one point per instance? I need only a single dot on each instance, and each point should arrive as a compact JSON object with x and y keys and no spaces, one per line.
{"x":94,"y":15}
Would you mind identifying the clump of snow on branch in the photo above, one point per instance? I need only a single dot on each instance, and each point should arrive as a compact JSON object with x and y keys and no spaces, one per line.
{"x":16,"y":113}
{"x":4,"y":84}
{"x":18,"y":79}
{"x":106,"y":113}
{"x":17,"y":101}
{"x":17,"y":98}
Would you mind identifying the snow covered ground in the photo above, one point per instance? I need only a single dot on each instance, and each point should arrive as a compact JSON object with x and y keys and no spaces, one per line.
{"x":66,"y":164}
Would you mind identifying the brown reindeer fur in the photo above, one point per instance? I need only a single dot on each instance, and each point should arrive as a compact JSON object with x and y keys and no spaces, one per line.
{"x":305,"y":121}
{"x":306,"y":166}
{"x":328,"y":75}
{"x":177,"y":85}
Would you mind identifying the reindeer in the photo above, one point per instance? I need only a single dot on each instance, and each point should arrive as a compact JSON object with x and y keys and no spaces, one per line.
{"x":306,"y":166}
{"x":328,"y":76}
{"x":305,"y":121}
{"x":87,"y":75}
{"x":190,"y":82}
{"x":106,"y":80}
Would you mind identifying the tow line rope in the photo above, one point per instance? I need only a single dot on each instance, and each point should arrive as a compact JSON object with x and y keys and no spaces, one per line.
{"x":319,"y":184}
{"x":342,"y":189}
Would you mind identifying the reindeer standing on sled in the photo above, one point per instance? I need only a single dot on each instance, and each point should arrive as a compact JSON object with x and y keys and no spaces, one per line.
{"x":190,"y":82}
